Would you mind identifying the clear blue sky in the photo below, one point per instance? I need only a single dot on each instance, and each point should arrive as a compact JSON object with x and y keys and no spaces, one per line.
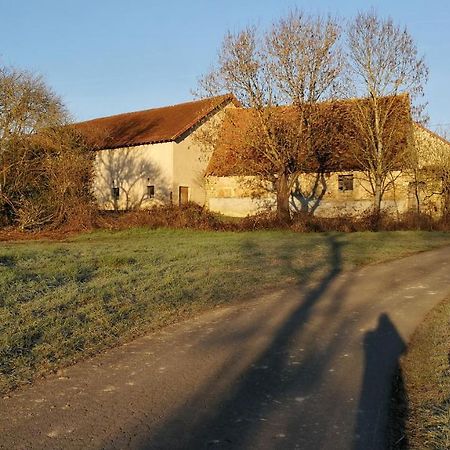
{"x":110,"y":56}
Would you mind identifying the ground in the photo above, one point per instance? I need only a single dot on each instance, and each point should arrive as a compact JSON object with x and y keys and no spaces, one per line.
{"x":64,"y":301}
{"x":423,"y":385}
{"x":305,"y":367}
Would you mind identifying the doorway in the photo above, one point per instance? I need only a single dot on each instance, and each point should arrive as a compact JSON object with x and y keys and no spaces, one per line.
{"x":183,"y":195}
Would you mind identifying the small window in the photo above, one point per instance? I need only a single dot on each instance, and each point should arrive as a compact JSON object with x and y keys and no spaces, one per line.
{"x":115,"y":192}
{"x":151,"y":191}
{"x":416,"y":185}
{"x":345,"y":183}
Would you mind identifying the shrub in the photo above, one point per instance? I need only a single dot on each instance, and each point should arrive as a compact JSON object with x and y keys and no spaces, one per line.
{"x":191,"y":215}
{"x":84,"y":216}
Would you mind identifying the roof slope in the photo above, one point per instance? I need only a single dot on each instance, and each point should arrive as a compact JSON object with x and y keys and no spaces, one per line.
{"x":151,"y":126}
{"x":433,"y":149}
{"x":336,"y":138}
{"x":432,"y":133}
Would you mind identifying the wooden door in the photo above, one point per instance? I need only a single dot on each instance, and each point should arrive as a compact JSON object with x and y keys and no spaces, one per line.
{"x":183,"y":195}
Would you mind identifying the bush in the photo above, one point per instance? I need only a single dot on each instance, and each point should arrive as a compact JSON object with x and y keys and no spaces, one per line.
{"x":46,"y":164}
{"x":260,"y":221}
{"x":84,"y":216}
{"x":57,"y":191}
{"x":191,"y":215}
{"x":369,"y":222}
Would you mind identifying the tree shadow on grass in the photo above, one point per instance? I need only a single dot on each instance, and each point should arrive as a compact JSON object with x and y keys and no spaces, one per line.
{"x":274,"y":385}
{"x":281,"y":393}
{"x":7,"y":261}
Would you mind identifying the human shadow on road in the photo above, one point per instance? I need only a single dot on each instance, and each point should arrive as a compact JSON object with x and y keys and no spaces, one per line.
{"x":383,"y":347}
{"x":274,"y":386}
{"x":396,"y":438}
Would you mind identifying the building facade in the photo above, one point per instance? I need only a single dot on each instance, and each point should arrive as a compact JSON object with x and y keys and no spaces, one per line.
{"x":156,"y":156}
{"x":151,"y":157}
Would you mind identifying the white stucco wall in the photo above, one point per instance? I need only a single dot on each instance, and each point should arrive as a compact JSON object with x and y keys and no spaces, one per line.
{"x":191,"y":159}
{"x":189,"y":164}
{"x":132,"y":169}
{"x":167,"y":166}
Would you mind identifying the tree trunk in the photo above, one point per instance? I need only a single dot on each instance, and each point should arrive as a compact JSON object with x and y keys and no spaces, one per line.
{"x":377,"y":199}
{"x":379,"y":161}
{"x":283,"y":194}
{"x":417,"y":195}
{"x":446,"y":197}
{"x":377,"y":205}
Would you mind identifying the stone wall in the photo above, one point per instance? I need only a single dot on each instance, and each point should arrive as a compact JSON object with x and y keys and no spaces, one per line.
{"x":324,"y":195}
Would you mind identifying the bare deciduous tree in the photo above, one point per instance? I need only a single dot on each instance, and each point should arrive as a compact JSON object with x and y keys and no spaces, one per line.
{"x":45,"y":168}
{"x":280,"y":75}
{"x":26,"y":106}
{"x":383,"y":63}
{"x":433,"y":168}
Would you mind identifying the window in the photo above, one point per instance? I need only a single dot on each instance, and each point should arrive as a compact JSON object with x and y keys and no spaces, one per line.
{"x":418,"y":186}
{"x":345,"y":183}
{"x":151,"y":191}
{"x":115,"y":192}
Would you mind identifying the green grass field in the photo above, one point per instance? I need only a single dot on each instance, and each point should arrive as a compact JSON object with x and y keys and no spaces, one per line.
{"x":64,"y":301}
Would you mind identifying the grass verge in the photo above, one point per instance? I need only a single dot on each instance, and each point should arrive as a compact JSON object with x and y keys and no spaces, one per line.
{"x":67,"y":300}
{"x":424,"y":381}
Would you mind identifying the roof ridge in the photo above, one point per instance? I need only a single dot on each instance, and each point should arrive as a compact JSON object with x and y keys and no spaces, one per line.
{"x":217,"y":97}
{"x":326,"y":102}
{"x":203,"y":114}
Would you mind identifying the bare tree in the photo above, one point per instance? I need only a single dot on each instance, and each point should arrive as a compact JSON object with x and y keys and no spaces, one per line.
{"x":442,"y":170}
{"x":433,"y":168}
{"x":383,"y":63}
{"x":26,"y":105}
{"x":279,"y":75}
{"x":44,"y":168}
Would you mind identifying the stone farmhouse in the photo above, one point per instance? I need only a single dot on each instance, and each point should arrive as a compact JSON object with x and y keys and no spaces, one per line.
{"x":154,"y":156}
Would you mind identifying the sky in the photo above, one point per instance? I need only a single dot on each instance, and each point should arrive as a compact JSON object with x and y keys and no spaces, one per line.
{"x":106,"y":57}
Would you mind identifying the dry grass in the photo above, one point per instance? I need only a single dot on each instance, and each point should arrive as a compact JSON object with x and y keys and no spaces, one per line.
{"x":425,"y":384}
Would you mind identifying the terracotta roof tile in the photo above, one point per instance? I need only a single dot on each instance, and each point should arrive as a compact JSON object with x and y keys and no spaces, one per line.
{"x":164,"y":124}
{"x":238,"y":149}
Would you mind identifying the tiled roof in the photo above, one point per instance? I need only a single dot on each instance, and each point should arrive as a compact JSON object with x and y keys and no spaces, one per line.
{"x":239,"y":151}
{"x":165,"y":124}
